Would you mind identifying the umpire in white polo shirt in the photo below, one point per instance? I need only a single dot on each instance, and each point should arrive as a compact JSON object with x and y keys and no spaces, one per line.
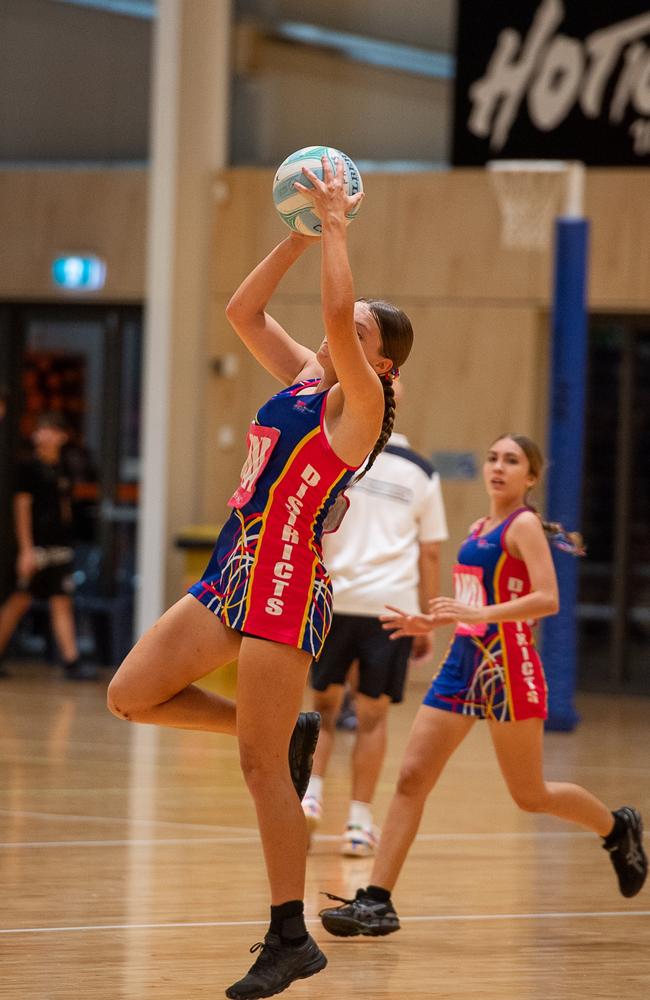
{"x":386,"y":551}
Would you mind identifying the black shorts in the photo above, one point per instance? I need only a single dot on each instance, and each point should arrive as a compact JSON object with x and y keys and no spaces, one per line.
{"x":51,"y":581}
{"x":383,"y":662}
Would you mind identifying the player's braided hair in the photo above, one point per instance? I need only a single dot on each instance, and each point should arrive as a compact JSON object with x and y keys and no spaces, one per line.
{"x":386,"y":427}
{"x":396,"y":341}
{"x":558,"y":536}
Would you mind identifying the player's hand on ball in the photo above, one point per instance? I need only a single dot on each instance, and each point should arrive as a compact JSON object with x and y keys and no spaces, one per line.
{"x":293,"y":187}
{"x":329,"y":196}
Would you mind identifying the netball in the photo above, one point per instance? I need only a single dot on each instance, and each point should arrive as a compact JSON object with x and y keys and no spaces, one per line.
{"x":296,"y":208}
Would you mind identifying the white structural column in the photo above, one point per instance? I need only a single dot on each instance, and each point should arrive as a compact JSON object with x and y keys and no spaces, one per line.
{"x":190,"y":112}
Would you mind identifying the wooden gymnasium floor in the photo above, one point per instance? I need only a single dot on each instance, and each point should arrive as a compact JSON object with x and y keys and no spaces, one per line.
{"x":131,"y":866}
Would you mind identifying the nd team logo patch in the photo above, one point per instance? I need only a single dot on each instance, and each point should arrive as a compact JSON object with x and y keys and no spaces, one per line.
{"x":470,"y":589}
{"x":261,"y":442}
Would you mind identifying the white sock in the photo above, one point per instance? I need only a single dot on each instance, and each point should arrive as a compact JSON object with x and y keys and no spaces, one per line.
{"x":315,"y":787}
{"x":360,"y":814}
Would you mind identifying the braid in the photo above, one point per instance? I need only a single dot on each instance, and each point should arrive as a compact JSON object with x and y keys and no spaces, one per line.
{"x":567,"y":541}
{"x":386,"y":427}
{"x":559,"y":538}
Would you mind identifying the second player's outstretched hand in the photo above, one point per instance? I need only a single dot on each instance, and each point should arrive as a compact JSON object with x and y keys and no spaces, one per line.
{"x":446,"y":610}
{"x":399,"y":623}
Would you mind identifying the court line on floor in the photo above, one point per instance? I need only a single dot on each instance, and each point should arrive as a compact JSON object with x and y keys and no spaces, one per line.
{"x":155,"y":842}
{"x":428,"y":918}
{"x":167,"y":758}
{"x":74,"y":817}
{"x":252,"y":837}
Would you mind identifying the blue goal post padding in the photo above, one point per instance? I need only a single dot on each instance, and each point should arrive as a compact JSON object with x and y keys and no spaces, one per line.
{"x":565,"y":453}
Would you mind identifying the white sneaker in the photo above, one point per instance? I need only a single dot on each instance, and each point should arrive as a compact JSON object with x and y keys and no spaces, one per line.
{"x":313,"y":810}
{"x":359,"y":841}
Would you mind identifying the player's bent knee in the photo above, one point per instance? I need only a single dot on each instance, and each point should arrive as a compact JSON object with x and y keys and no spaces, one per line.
{"x":114,"y":707}
{"x":530,"y":800}
{"x":117,"y":701}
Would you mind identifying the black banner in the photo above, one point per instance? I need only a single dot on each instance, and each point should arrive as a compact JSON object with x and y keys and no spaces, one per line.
{"x":553,"y":79}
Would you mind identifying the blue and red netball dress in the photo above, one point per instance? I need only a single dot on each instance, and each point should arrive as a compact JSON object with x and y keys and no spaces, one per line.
{"x":266,"y":575}
{"x":491,"y":670}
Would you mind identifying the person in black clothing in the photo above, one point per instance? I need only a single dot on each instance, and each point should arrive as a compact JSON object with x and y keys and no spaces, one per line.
{"x":43,"y":524}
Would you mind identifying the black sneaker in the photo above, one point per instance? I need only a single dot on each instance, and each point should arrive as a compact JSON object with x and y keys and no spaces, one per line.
{"x":361,"y":915}
{"x":77,"y":670}
{"x":301,"y":750}
{"x":627,"y":854}
{"x":276,"y":967}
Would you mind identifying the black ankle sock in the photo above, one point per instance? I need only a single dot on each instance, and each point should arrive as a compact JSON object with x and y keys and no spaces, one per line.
{"x":288,"y":921}
{"x":378,"y":894}
{"x":617,"y":831}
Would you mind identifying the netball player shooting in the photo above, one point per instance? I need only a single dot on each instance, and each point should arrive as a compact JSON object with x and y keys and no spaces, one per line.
{"x":265,"y":597}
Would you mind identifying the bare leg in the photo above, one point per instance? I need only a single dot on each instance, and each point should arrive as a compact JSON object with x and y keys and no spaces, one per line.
{"x":519,"y":749}
{"x":328,"y":703}
{"x":434,"y":737}
{"x":62,"y":618}
{"x":155,"y":682}
{"x":11,"y":612}
{"x":270,"y":683}
{"x":370,"y":745}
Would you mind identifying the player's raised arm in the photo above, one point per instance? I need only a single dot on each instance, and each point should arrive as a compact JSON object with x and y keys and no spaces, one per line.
{"x":356,"y":376}
{"x":265,"y":338}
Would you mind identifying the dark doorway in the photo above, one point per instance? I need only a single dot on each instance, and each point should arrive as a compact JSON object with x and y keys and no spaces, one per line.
{"x":614,"y":596}
{"x":83,"y":362}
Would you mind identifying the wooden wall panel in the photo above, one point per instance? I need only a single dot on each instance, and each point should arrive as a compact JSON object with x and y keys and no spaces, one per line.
{"x":46,"y":213}
{"x":436,"y":235}
{"x":430,"y":235}
{"x":618,"y":203}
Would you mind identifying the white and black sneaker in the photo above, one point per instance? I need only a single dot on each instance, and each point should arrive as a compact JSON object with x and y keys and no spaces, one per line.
{"x":627,"y":854}
{"x":361,"y":915}
{"x":359,"y":841}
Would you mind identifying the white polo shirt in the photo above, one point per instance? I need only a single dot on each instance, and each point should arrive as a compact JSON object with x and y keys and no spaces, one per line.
{"x":373,"y":557}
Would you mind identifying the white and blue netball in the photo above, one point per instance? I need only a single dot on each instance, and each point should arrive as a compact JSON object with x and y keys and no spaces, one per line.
{"x":295,"y":208}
